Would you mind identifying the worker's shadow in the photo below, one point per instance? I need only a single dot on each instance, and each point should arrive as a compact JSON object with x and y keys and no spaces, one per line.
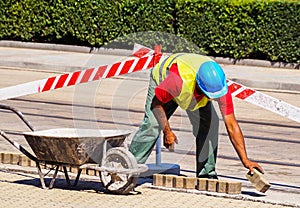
{"x":253,"y":193}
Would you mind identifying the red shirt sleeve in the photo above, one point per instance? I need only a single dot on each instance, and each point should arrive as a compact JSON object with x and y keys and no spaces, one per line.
{"x":170,"y":87}
{"x":226,"y":104}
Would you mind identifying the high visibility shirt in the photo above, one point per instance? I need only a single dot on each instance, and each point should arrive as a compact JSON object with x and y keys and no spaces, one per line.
{"x":188,"y":65}
{"x":171,"y":86}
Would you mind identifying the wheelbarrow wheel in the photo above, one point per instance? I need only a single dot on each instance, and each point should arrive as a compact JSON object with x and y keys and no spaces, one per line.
{"x":119,"y":183}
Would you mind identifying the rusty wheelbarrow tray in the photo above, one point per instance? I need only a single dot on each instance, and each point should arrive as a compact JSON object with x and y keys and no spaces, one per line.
{"x":83,"y":148}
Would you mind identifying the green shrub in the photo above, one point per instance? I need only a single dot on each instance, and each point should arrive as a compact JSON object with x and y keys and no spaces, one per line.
{"x":146,"y":22}
{"x":23,"y":20}
{"x":278,"y":31}
{"x":242,"y":29}
{"x":263,"y":29}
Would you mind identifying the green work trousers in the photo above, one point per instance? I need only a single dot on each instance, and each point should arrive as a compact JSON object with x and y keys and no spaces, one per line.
{"x":205,"y":124}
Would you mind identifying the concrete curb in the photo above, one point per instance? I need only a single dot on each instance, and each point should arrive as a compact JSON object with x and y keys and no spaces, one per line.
{"x":123,"y":52}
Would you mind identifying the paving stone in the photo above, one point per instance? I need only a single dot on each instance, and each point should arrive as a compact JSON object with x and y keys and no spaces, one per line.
{"x":189,"y":182}
{"x":91,"y":172}
{"x":15,"y":159}
{"x":178,"y":182}
{"x":234,"y":187}
{"x":31,"y":163}
{"x":84,"y":171}
{"x":222,"y":186}
{"x":23,"y":160}
{"x":258,"y":181}
{"x":74,"y":169}
{"x":158,"y":180}
{"x":5,"y":158}
{"x":212,"y":185}
{"x":168,"y":181}
{"x":202,"y":184}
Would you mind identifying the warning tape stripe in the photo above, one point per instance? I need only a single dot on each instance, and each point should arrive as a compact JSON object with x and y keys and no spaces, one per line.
{"x":141,"y":51}
{"x":101,"y":70}
{"x":54,"y":83}
{"x":233,"y":87}
{"x":238,"y":90}
{"x":94,"y":72}
{"x":121,"y":66}
{"x":127,"y":67}
{"x":78,"y":77}
{"x":73,"y":79}
{"x":112,"y":70}
{"x":48,"y":84}
{"x":155,"y":60}
{"x":139,"y":64}
{"x":245,"y":93}
{"x":86,"y":75}
{"x":61,"y":81}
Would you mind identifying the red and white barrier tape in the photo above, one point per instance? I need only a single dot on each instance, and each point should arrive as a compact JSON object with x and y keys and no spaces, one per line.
{"x":265,"y":101}
{"x":143,"y":63}
{"x":250,"y":95}
{"x":78,"y":77}
{"x":141,"y":51}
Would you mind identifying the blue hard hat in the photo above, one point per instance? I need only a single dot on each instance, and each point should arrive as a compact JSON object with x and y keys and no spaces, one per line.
{"x":211,"y":80}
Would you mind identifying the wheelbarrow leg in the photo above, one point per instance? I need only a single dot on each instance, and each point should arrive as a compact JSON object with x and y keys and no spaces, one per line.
{"x":53,"y":177}
{"x":41,"y":175}
{"x":68,"y":179}
{"x":66,"y":175}
{"x":77,"y":177}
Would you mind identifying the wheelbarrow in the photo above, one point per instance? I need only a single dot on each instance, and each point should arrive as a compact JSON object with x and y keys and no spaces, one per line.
{"x":93,"y":149}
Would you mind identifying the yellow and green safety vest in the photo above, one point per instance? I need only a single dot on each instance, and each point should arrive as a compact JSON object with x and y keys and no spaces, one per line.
{"x":188,"y":65}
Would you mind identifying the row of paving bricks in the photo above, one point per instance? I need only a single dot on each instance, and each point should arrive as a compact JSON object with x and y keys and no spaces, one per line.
{"x":22,"y":160}
{"x":169,"y":181}
{"x":202,"y":184}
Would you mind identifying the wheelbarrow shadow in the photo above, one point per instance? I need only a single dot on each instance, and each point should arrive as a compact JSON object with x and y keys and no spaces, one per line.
{"x":61,"y":183}
{"x":91,"y":186}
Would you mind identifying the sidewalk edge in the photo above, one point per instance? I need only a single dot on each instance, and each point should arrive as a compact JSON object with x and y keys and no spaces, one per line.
{"x":123,"y":52}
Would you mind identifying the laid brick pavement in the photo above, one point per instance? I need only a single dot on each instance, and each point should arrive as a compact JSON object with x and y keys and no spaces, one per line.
{"x":19,"y":189}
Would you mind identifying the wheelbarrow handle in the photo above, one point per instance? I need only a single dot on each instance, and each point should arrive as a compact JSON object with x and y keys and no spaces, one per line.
{"x":19,"y":114}
{"x":19,"y":147}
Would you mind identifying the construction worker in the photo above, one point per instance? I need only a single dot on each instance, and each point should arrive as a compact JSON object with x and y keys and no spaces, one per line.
{"x":190,"y":81}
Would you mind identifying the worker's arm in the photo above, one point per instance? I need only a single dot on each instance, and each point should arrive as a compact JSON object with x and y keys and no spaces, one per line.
{"x":237,"y":139}
{"x":160,"y":115}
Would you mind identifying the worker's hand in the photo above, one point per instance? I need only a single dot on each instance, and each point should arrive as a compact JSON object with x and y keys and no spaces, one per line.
{"x":251,"y":165}
{"x":169,"y":139}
